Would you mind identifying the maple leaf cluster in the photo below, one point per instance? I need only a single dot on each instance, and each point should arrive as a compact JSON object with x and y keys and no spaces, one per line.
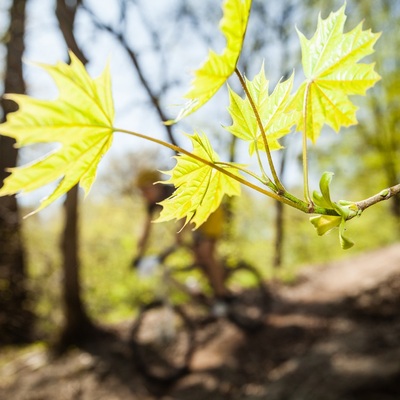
{"x":80,"y":120}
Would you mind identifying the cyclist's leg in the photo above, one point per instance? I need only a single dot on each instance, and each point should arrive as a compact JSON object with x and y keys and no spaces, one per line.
{"x":205,"y":249}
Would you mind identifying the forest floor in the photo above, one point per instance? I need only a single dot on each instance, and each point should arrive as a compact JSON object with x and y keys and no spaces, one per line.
{"x":334,"y":334}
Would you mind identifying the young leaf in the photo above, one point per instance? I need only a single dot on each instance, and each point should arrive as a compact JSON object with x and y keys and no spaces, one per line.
{"x":218,"y":68}
{"x":345,"y":210}
{"x":345,"y":242}
{"x":80,"y":119}
{"x":199,"y":187}
{"x":325,"y":223}
{"x":323,"y":199}
{"x":330,"y":62}
{"x":271,"y":109}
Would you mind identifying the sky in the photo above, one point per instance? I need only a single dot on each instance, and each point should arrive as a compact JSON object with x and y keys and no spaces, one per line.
{"x":45,"y":44}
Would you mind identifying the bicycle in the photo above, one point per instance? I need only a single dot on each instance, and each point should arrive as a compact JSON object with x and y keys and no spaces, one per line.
{"x":163,"y":336}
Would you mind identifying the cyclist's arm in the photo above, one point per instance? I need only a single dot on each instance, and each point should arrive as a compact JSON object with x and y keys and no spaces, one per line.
{"x":144,"y":239}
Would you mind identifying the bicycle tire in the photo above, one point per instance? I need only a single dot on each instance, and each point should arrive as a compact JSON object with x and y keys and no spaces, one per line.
{"x":248,"y":305}
{"x":162,"y":340}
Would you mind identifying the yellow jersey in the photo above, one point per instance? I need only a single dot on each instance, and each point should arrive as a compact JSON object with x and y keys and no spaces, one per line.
{"x":214,"y":226}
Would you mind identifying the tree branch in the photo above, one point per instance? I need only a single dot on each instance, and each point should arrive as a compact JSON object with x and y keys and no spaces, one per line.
{"x":154,"y":98}
{"x":66,"y":18}
{"x":385,"y":194}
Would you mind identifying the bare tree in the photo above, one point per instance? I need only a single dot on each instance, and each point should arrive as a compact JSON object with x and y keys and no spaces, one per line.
{"x":281,"y":26}
{"x":78,"y":327}
{"x":16,"y":320}
{"x":153,"y":90}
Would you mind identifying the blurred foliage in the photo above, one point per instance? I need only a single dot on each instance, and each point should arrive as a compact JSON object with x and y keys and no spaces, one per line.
{"x":112,"y":220}
{"x":110,"y":227}
{"x":41,"y":234}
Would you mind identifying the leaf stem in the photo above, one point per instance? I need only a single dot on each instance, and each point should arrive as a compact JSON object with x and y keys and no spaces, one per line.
{"x":276,"y":179}
{"x":266,"y":178}
{"x":179,"y":149}
{"x":246,"y":171}
{"x":285,"y":197}
{"x":305,"y":155}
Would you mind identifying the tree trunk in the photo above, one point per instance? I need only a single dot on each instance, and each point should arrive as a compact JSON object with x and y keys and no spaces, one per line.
{"x":78,"y":327}
{"x":16,"y":319}
{"x":279,"y":222}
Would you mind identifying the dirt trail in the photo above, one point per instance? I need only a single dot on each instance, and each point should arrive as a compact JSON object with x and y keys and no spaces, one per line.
{"x":333,"y":335}
{"x":350,"y":277}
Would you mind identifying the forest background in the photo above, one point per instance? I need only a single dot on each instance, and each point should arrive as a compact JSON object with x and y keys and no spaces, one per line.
{"x":81,"y":253}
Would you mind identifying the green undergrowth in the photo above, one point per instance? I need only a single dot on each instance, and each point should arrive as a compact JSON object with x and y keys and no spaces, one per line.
{"x":112,"y":289}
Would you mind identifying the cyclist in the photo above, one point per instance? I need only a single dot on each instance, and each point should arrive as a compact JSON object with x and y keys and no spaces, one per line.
{"x":205,"y":238}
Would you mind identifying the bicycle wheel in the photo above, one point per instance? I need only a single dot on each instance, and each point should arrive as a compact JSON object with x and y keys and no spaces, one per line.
{"x":162,"y":339}
{"x":250,"y":297}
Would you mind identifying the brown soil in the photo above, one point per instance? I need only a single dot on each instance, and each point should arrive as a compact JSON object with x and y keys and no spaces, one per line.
{"x":335,"y":334}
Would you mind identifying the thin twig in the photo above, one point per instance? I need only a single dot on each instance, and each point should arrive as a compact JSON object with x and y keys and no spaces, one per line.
{"x":153,"y":96}
{"x":381,"y":196}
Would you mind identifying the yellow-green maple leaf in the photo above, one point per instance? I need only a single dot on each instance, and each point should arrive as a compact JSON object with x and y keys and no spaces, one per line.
{"x":218,"y":68}
{"x":330,"y":62}
{"x":200,"y":188}
{"x":80,"y":120}
{"x":271,"y":109}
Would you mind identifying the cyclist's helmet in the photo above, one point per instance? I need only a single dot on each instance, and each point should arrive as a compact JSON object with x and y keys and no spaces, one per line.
{"x":147,"y":177}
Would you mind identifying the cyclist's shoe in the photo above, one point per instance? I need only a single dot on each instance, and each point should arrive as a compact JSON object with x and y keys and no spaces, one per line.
{"x":220,"y":309}
{"x":222,"y":305}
